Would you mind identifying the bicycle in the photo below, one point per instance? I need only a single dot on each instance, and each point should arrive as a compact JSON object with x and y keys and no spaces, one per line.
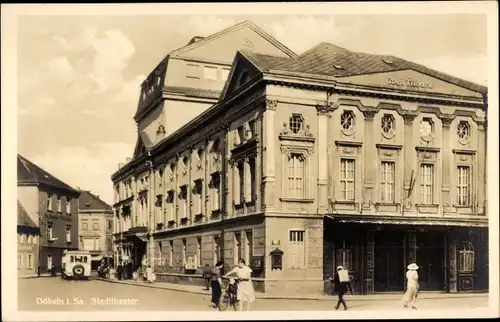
{"x":230,"y":295}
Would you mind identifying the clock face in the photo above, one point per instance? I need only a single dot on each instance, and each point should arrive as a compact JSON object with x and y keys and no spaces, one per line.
{"x":425,"y":128}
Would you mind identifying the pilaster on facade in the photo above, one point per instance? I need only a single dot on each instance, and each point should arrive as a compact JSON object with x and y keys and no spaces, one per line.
{"x":410,"y":166}
{"x":481,"y":183}
{"x":323,"y":112}
{"x":447,"y":168}
{"x":269,"y":151}
{"x":369,"y":161}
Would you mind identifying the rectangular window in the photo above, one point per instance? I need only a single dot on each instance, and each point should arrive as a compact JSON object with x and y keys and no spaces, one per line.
{"x":159,"y":260}
{"x":296,"y":176}
{"x":463,"y":185}
{"x":426,"y":183}
{"x":171,"y":255}
{"x":210,"y":72}
{"x":85,"y":226}
{"x":241,"y":134}
{"x":252,"y":125}
{"x":184,"y":259}
{"x":193,"y":71}
{"x":248,"y":246}
{"x":49,"y":261}
{"x":68,"y":205}
{"x":344,"y":257}
{"x":198,"y":187}
{"x":297,"y":248}
{"x":216,"y":192}
{"x":110,"y":225}
{"x":34,"y":240}
{"x":171,"y":205}
{"x":68,"y":234}
{"x":97,"y":245}
{"x":387,"y":181}
{"x":466,"y":257}
{"x":198,"y":252}
{"x":19,"y":260}
{"x":29,"y":263}
{"x":217,"y":249}
{"x":49,"y":202}
{"x":253,"y":178}
{"x":49,"y":232}
{"x":59,"y":204}
{"x":347,"y":177}
{"x":23,"y":239}
{"x":183,"y":198}
{"x":237,"y":248}
{"x":225,"y":73}
{"x":241,"y":181}
{"x":95,"y":226}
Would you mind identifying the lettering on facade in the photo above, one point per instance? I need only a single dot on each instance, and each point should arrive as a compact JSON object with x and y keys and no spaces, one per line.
{"x":408,"y":82}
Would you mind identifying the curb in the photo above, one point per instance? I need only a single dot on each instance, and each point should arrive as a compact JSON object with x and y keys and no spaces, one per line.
{"x":31,"y":277}
{"x":307,"y":298}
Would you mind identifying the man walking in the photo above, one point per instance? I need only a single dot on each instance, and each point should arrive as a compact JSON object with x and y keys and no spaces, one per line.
{"x":341,"y":285}
{"x":207,"y":275}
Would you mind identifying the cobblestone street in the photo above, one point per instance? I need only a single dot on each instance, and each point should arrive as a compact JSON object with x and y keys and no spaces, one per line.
{"x":54,"y":294}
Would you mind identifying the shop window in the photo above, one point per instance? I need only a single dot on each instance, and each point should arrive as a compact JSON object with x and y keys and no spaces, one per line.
{"x":171,"y":253}
{"x":198,"y":252}
{"x":184,"y":259}
{"x":466,"y":256}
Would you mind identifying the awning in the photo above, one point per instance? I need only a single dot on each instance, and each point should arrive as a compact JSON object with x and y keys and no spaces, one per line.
{"x":407,"y":220}
{"x":138,"y":237}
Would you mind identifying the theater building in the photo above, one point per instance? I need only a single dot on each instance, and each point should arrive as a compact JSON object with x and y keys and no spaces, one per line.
{"x":307,"y":162}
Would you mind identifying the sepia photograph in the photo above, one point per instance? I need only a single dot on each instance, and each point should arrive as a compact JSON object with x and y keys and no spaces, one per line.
{"x":270,"y":161}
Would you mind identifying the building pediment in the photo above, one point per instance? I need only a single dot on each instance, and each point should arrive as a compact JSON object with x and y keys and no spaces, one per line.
{"x":223,"y":45}
{"x":408,"y":80}
{"x":242,"y":72}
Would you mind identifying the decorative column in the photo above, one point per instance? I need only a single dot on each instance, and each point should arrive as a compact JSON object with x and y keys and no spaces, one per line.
{"x":248,"y":181}
{"x":480,"y":166}
{"x":369,"y":159}
{"x":323,"y":112}
{"x":409,"y":162}
{"x":269,"y":152}
{"x":258,"y":166}
{"x":205,"y":198}
{"x":149,"y":213}
{"x":227,"y":178}
{"x":370,"y":261}
{"x":447,"y":168}
{"x":190,"y":187}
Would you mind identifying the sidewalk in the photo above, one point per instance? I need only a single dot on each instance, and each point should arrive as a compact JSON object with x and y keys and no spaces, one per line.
{"x":35,"y":276}
{"x":195,"y":289}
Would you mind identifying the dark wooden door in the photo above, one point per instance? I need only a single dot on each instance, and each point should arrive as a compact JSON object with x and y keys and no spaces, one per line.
{"x":430,"y":259}
{"x":389,"y":265}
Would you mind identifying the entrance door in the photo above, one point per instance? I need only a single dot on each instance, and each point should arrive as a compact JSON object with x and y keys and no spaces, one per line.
{"x":430,"y":259}
{"x":389,"y":263}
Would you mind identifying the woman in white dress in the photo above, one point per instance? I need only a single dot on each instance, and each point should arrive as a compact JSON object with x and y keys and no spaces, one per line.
{"x":245,"y":292}
{"x":412,"y":286}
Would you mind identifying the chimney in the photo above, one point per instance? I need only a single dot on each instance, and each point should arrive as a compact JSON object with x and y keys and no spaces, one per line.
{"x":128,"y":160}
{"x":195,"y":39}
{"x":120,"y":165}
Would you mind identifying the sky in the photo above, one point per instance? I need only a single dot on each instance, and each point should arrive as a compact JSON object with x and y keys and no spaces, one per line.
{"x":79,"y":76}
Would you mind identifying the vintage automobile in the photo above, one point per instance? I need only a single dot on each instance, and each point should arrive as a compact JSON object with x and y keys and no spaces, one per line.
{"x":76,"y":264}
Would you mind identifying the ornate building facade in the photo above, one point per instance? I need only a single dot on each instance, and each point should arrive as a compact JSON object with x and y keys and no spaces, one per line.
{"x":312,"y":161}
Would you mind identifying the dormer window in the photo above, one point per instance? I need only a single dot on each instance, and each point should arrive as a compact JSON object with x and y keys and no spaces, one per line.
{"x":200,"y":154}
{"x":185,"y":161}
{"x":337,"y":66}
{"x":387,"y":61}
{"x":49,"y":202}
{"x":172,"y":168}
{"x":296,"y":123}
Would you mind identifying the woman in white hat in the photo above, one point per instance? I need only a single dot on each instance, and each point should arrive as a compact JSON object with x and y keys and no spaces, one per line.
{"x":412,"y":286}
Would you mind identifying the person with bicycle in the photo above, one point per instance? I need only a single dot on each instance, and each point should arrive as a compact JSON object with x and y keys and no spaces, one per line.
{"x":216,"y":283}
{"x":244,"y":290}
